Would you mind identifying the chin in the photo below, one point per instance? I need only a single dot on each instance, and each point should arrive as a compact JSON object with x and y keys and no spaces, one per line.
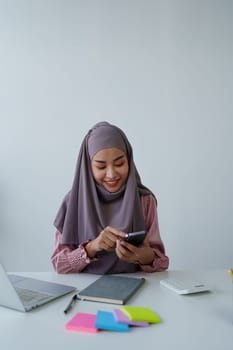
{"x":111,"y":189}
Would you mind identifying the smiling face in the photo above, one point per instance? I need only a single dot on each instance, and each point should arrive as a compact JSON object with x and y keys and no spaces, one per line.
{"x":110,"y":168}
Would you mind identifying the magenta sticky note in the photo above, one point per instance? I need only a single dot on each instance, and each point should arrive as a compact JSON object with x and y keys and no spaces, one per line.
{"x":122,"y":318}
{"x":82,"y":322}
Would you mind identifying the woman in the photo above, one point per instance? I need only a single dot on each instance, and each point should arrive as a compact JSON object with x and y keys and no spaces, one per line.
{"x":106,"y":201}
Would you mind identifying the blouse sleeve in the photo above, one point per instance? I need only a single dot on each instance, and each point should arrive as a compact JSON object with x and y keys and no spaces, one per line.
{"x":161,"y":261}
{"x":66,"y":260}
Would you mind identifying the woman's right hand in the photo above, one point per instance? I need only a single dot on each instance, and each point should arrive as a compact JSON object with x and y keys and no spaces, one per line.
{"x":105,"y":241}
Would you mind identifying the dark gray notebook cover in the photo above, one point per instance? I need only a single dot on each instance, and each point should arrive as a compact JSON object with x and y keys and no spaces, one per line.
{"x":111,"y":289}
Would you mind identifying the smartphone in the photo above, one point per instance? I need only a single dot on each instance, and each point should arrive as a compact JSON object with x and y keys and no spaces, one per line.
{"x":135,"y":238}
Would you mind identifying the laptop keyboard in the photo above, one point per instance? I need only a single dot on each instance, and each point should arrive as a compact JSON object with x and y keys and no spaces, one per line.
{"x":30,"y":296}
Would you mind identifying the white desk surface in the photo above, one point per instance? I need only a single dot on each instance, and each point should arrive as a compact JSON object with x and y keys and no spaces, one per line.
{"x":201,"y":321}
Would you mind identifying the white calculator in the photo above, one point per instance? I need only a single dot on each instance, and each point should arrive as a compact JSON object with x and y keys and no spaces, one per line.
{"x":183,"y":286}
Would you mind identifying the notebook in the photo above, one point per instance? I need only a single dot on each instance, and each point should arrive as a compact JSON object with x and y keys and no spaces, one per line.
{"x":111,"y":289}
{"x":24,"y":293}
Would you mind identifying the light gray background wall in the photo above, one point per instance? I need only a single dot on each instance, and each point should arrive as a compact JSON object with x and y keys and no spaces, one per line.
{"x":162,"y":71}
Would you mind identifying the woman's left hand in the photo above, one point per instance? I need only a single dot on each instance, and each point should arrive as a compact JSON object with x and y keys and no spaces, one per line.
{"x":142,"y":255}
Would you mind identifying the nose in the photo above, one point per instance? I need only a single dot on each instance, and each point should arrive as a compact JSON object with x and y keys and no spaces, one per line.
{"x":110,"y":172}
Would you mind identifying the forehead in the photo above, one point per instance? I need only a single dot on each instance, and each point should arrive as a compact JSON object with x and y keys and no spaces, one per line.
{"x":108,"y":154}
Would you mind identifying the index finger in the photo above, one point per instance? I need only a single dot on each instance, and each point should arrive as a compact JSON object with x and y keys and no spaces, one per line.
{"x":116,"y":232}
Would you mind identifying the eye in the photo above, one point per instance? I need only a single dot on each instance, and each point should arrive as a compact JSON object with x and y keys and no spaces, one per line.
{"x":119,"y":164}
{"x":100,"y":167}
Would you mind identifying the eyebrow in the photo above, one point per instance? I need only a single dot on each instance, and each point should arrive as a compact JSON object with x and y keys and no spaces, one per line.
{"x":103,"y":161}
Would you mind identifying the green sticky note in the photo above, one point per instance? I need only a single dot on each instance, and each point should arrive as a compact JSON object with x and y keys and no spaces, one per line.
{"x":140,"y":313}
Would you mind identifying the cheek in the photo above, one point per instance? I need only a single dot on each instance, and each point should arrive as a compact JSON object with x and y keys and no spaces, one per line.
{"x":125,"y":172}
{"x":99,"y":176}
{"x":96,"y":174}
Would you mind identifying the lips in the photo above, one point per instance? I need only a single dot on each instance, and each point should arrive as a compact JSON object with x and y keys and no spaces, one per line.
{"x":112,"y":183}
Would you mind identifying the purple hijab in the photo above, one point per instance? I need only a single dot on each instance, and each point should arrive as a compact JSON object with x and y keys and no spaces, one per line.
{"x":88,"y":207}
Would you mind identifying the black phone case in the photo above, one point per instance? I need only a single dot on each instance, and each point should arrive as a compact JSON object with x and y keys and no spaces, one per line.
{"x":135,"y":238}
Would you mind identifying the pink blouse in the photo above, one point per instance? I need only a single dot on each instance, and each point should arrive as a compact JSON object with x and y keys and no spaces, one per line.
{"x":65,"y":260}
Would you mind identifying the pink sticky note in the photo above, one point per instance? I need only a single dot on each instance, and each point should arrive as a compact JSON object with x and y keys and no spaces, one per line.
{"x":82,"y":322}
{"x":122,"y":318}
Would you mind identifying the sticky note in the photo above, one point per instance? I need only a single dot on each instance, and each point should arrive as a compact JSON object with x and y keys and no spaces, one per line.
{"x":122,"y":318}
{"x":82,"y":322}
{"x":105,"y":320}
{"x":140,"y":313}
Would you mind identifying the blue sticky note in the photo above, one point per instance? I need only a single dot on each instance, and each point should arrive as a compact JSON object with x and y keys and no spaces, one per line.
{"x":106,"y":320}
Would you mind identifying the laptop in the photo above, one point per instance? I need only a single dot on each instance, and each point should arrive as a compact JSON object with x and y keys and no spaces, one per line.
{"x":25,"y":293}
